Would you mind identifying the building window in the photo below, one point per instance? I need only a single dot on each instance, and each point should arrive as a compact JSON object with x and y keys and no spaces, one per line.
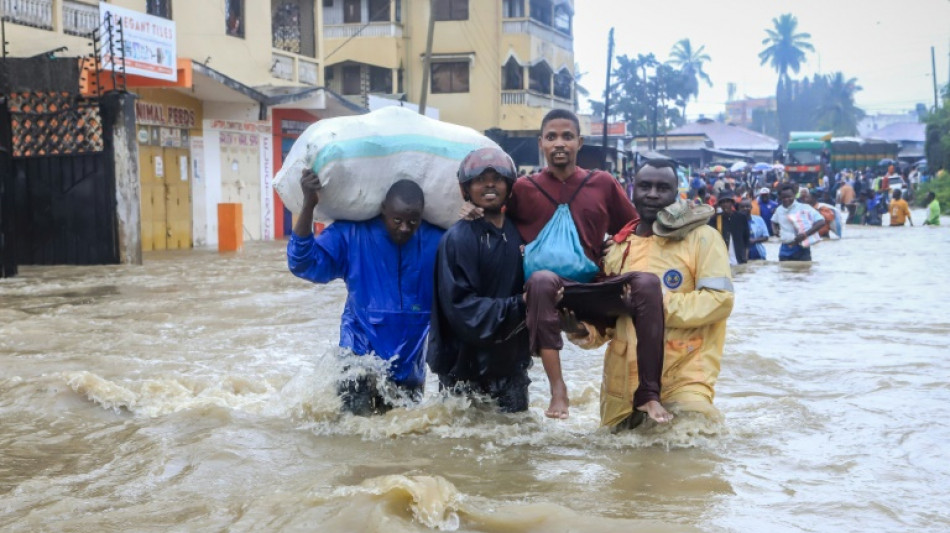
{"x":159,"y":8}
{"x":513,"y":9}
{"x":327,"y":3}
{"x":380,"y":80}
{"x":398,"y":10}
{"x":292,"y":26}
{"x":541,"y":11}
{"x":562,"y":84}
{"x":540,"y":78}
{"x":451,"y":10}
{"x":450,"y":77}
{"x":234,"y":17}
{"x":562,"y":19}
{"x":513,"y":76}
{"x":351,"y":12}
{"x":379,"y":10}
{"x":351,"y":79}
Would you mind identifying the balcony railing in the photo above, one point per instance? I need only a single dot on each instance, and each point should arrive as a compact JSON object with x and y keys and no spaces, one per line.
{"x":294,"y":67}
{"x":373,"y":29}
{"x":79,"y":18}
{"x":532,"y":99}
{"x":36,"y":13}
{"x":536,"y":29}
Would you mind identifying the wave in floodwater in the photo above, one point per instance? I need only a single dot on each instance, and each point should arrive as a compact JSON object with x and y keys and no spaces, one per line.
{"x":310,"y":398}
{"x":408,"y":503}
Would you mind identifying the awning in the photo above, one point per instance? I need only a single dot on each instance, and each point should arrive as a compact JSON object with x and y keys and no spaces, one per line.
{"x":204,"y":83}
{"x":322,"y":99}
{"x":726,"y":153}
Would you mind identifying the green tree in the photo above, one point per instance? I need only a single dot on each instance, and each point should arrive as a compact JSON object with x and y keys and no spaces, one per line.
{"x":937,"y":141}
{"x":579,"y":90}
{"x":690,"y":63}
{"x":937,"y":148}
{"x":645,"y":93}
{"x":836,"y":110}
{"x":785,"y":50}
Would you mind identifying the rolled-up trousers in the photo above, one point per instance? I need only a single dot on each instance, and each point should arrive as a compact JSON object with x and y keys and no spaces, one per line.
{"x":600,"y":303}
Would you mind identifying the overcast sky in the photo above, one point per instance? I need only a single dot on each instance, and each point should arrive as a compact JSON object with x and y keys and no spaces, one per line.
{"x":885,"y":44}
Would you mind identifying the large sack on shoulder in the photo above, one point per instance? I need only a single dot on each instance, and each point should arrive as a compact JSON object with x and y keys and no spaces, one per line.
{"x":358,"y":158}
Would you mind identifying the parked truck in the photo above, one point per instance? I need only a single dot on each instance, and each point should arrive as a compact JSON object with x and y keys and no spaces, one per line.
{"x":809,"y":154}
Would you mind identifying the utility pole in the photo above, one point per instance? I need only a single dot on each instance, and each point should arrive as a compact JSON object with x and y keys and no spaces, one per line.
{"x":3,"y":36}
{"x":610,"y":56}
{"x":656,"y":109}
{"x":427,"y":60}
{"x":933,"y":72}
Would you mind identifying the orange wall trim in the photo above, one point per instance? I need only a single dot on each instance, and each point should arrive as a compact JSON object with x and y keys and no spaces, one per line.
{"x":91,"y":85}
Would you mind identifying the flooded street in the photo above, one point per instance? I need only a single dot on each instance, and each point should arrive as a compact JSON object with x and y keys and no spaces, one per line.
{"x":197,"y":393}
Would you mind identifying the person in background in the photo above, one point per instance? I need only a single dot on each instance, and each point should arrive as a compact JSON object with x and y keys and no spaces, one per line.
{"x":733,"y":227}
{"x":701,"y":197}
{"x":672,"y":241}
{"x":387,"y":264}
{"x":695,"y":185}
{"x":933,"y":210}
{"x":827,"y":211}
{"x":758,"y":232}
{"x":766,"y":206}
{"x":875,"y":205}
{"x":899,"y":210}
{"x":845,"y":198}
{"x":794,"y":222}
{"x":478,"y":341}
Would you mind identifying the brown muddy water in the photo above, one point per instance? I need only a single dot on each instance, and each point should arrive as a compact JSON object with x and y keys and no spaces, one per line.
{"x":196,"y":393}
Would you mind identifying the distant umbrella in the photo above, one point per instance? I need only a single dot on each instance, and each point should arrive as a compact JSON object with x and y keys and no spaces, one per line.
{"x":885,"y":162}
{"x":718,"y":168}
{"x":736,"y":167}
{"x":761,"y":167}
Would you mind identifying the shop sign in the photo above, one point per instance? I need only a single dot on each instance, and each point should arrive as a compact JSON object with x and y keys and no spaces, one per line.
{"x":149,"y":43}
{"x":164,"y":115}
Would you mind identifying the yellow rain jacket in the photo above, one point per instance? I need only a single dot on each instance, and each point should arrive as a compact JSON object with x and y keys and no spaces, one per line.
{"x":698,"y":297}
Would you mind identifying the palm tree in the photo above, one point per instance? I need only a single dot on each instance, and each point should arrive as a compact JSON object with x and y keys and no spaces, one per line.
{"x":785,"y":51}
{"x":837,"y":111}
{"x":690,"y":63}
{"x":579,"y":90}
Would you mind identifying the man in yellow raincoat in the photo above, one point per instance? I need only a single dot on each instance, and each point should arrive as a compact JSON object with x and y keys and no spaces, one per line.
{"x":672,"y":241}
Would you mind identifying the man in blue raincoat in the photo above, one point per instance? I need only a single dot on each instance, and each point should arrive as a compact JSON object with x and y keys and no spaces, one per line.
{"x":387,"y":263}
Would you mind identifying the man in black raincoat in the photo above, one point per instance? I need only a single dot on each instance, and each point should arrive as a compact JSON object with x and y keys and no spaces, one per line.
{"x":478,"y":341}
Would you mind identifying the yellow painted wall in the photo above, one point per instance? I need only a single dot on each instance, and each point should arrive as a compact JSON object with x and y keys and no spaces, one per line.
{"x":200,"y":25}
{"x":386,"y":52}
{"x":200,"y":28}
{"x":480,"y":34}
{"x":25,"y":41}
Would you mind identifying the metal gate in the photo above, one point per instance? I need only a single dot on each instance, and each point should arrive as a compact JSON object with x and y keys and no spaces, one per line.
{"x":7,"y":248}
{"x":63,"y":182}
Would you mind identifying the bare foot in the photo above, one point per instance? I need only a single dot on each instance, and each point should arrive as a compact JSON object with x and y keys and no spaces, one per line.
{"x":654,"y":410}
{"x":559,"y":402}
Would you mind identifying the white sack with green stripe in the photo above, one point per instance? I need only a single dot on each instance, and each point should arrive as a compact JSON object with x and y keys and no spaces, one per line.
{"x":358,"y":158}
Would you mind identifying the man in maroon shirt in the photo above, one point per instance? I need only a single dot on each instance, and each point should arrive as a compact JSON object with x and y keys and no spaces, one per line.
{"x":598,"y":209}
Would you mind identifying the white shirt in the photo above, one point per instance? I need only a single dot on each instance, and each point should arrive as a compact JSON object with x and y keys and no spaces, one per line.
{"x":788,"y":228}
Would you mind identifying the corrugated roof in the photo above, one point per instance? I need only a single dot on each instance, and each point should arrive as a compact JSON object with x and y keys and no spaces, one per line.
{"x":901,"y":131}
{"x":729,"y":137}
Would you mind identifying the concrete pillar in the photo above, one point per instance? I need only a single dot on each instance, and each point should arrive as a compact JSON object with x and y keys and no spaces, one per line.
{"x":119,"y":117}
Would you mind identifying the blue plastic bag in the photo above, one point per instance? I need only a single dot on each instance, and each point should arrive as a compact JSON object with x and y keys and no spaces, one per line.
{"x":558,"y":249}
